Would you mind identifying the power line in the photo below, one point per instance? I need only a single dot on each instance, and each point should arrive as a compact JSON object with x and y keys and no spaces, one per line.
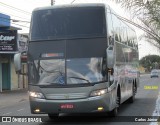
{"x":15,"y":16}
{"x":14,"y":8}
{"x":20,"y":25}
{"x":14,"y":20}
{"x":73,"y":1}
{"x":4,"y":20}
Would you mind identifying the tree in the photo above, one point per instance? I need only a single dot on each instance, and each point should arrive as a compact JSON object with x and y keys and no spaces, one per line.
{"x":150,"y":62}
{"x":148,"y":12}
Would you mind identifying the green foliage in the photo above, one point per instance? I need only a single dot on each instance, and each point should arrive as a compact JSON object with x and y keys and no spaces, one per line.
{"x":150,"y":62}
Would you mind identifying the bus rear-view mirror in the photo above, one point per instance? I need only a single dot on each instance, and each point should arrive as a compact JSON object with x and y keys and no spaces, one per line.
{"x":110,"y":56}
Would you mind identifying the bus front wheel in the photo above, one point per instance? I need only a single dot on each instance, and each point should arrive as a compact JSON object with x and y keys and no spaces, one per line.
{"x":114,"y":112}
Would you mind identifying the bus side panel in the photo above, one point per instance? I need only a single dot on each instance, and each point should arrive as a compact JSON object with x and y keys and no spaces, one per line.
{"x":126,"y":63}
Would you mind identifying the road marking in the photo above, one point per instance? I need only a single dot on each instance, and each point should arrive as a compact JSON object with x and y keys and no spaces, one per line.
{"x":20,"y":110}
{"x":150,"y":87}
{"x":7,"y":113}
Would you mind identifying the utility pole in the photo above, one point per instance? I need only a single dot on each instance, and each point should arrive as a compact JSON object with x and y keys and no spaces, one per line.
{"x":52,"y":2}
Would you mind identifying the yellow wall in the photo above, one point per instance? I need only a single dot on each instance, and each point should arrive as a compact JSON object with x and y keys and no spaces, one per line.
{"x":14,"y":78}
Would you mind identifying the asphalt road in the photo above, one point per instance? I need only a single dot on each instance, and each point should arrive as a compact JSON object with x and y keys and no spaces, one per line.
{"x":144,"y":105}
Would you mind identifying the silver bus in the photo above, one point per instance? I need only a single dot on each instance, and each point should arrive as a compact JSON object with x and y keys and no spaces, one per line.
{"x":81,"y":59}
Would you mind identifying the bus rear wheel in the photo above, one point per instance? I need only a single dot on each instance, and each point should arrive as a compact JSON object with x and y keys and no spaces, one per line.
{"x":132,"y":98}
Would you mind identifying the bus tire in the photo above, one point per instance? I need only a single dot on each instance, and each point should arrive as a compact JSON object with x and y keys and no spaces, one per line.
{"x":132,"y":98}
{"x":114,"y":112}
{"x":53,"y":116}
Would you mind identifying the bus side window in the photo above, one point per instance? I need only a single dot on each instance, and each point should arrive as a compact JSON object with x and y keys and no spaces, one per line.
{"x":110,"y":27}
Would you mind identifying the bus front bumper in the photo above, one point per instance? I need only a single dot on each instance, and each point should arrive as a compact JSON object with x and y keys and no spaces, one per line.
{"x":91,"y":104}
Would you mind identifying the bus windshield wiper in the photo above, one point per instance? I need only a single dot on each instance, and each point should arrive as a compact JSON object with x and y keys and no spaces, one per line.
{"x":80,"y":79}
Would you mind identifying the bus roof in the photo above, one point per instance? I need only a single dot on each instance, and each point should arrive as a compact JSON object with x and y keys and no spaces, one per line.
{"x":70,"y":6}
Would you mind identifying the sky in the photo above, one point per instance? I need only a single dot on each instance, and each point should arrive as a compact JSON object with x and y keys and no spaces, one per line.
{"x":29,"y":5}
{"x":22,"y":9}
{"x":25,"y":6}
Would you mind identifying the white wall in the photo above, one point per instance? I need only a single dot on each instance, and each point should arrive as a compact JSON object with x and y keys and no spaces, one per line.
{"x":14,"y":78}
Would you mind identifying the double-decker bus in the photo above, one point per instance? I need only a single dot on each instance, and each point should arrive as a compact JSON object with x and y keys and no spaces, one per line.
{"x":81,"y":59}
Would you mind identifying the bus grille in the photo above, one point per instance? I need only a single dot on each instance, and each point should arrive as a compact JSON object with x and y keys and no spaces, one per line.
{"x":66,"y":96}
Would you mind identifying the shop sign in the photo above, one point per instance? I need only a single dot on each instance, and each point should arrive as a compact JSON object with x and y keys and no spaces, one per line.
{"x":8,"y":42}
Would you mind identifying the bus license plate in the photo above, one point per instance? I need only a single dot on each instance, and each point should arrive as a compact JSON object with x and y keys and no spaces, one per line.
{"x":67,"y":106}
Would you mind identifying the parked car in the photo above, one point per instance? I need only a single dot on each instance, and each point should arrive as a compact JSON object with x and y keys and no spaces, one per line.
{"x":154,"y":73}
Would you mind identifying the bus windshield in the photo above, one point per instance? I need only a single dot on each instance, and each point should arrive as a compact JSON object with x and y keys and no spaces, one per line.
{"x":62,"y":23}
{"x":71,"y":71}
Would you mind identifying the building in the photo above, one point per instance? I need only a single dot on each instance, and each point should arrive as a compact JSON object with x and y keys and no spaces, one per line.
{"x":9,"y":45}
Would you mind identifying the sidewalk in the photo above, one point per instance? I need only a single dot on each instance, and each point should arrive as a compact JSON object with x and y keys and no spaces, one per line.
{"x":8,"y":98}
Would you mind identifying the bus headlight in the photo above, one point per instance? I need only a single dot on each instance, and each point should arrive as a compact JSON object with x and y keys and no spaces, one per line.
{"x":36,"y":95}
{"x":98,"y":92}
